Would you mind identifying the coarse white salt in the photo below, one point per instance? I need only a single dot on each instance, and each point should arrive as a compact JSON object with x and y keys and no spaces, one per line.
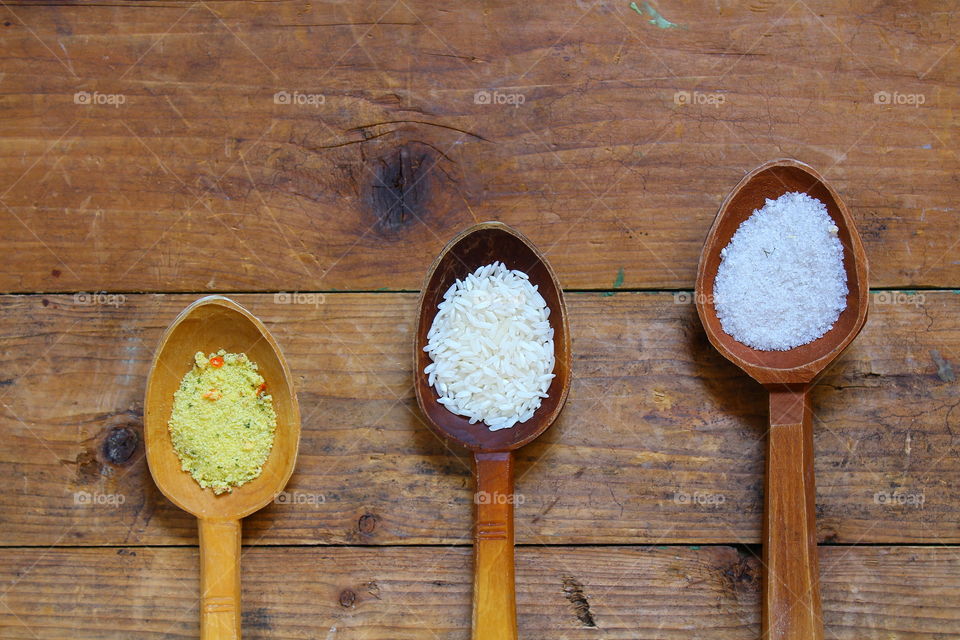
{"x":492,"y":347}
{"x":781,"y":282}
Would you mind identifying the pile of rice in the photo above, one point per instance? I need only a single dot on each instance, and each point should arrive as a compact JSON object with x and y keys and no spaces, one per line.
{"x":492,"y":347}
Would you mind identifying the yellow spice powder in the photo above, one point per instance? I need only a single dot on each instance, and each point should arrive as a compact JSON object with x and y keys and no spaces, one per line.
{"x":223,"y":422}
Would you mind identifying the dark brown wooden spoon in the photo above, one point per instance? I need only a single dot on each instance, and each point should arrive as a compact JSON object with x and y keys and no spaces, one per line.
{"x":791,"y":584}
{"x":494,"y":598}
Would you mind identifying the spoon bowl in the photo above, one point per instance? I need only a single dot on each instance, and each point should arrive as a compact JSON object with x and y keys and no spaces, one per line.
{"x":207,"y":325}
{"x":804,"y":363}
{"x":475,"y":247}
{"x":791,"y":585}
{"x":494,"y":599}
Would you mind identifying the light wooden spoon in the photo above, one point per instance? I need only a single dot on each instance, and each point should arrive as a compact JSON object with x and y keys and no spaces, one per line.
{"x":791,"y":583}
{"x":494,"y":589}
{"x":207,"y":325}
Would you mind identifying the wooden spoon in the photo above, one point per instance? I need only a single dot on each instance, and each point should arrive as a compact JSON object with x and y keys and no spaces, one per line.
{"x":207,"y":325}
{"x":791,"y":584}
{"x":494,"y":598}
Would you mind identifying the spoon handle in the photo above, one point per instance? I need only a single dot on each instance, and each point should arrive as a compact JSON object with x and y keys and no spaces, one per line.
{"x":220,"y":579}
{"x":494,"y":589}
{"x":791,"y":580}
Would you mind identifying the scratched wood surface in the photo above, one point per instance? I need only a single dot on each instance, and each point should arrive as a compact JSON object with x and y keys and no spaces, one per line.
{"x":662,"y":593}
{"x":154,"y":151}
{"x":661,"y":439}
{"x":196,"y":178}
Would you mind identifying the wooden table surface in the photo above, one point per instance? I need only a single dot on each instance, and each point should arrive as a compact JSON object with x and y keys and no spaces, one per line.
{"x":311,"y":159}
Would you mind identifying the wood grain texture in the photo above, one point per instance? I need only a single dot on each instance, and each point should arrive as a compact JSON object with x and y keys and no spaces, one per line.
{"x":660,"y":441}
{"x":220,"y":602}
{"x":791,"y":607}
{"x":389,"y":593}
{"x":602,"y":165}
{"x":494,"y":590}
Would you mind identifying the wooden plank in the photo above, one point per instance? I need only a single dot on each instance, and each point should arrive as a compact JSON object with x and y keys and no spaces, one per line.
{"x":661,"y":440}
{"x":893,"y":593}
{"x":201,"y":181}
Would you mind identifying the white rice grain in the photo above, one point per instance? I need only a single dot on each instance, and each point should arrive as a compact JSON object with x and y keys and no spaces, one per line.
{"x":492,"y":347}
